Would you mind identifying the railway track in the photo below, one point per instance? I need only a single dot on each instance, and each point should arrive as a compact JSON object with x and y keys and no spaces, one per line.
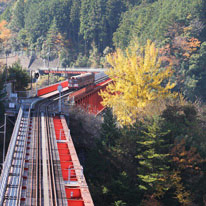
{"x":46,"y":180}
{"x":101,"y":79}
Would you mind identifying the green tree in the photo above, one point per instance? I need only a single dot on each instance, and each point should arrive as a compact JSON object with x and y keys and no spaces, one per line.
{"x":92,"y":22}
{"x":54,"y":40}
{"x":75,"y":20}
{"x":152,"y":158}
{"x":114,"y":10}
{"x":186,"y":141}
{"x":94,"y":58}
{"x":37,"y":20}
{"x":19,"y":76}
{"x":119,"y":203}
{"x":18,"y":16}
{"x":60,"y":10}
{"x":109,"y":131}
{"x":82,"y":61}
{"x":195,"y":84}
{"x":151,"y":21}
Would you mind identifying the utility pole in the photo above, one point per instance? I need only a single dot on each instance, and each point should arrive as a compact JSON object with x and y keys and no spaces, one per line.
{"x":4,"y":149}
{"x":48,"y":63}
{"x":31,"y":79}
{"x":36,"y":89}
{"x":60,"y":90}
{"x":4,"y":142}
{"x":6,"y":69}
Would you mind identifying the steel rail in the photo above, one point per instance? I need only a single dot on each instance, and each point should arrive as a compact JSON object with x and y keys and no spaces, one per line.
{"x":33,"y":163}
{"x":37,"y":187}
{"x":97,"y":81}
{"x":61,"y":189}
{"x":23,"y":162}
{"x":39,"y":162}
{"x":59,"y":198}
{"x":35,"y":197}
{"x":53,"y":189}
{"x":55,"y":179}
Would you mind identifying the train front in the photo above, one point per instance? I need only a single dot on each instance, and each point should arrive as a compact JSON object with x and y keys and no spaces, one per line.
{"x":73,"y":83}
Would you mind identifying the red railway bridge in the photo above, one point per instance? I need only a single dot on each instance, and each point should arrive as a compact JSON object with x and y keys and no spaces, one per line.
{"x":41,"y":166}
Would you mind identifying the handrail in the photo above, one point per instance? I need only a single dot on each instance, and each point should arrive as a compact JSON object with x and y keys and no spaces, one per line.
{"x":23,"y":162}
{"x":8,"y":161}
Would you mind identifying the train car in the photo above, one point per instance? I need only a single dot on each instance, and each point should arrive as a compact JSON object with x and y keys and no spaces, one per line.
{"x":101,"y":76}
{"x":51,"y":88}
{"x":79,"y":81}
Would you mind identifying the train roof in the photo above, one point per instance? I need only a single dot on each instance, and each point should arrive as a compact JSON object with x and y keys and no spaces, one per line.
{"x":82,"y":75}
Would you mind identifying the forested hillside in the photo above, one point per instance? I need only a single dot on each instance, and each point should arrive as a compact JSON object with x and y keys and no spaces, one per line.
{"x":78,"y":26}
{"x":178,"y":28}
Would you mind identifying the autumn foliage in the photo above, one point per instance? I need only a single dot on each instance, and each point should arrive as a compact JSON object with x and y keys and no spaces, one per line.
{"x":5,"y":33}
{"x":138,"y":79}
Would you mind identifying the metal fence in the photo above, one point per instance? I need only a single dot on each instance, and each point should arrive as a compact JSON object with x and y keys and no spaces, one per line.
{"x":8,"y":161}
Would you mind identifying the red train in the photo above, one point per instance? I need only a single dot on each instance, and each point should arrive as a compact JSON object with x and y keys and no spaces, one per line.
{"x":75,"y":82}
{"x":81,"y":80}
{"x":51,"y":88}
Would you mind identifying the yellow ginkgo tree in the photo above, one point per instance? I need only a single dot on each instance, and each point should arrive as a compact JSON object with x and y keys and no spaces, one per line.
{"x":138,"y":79}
